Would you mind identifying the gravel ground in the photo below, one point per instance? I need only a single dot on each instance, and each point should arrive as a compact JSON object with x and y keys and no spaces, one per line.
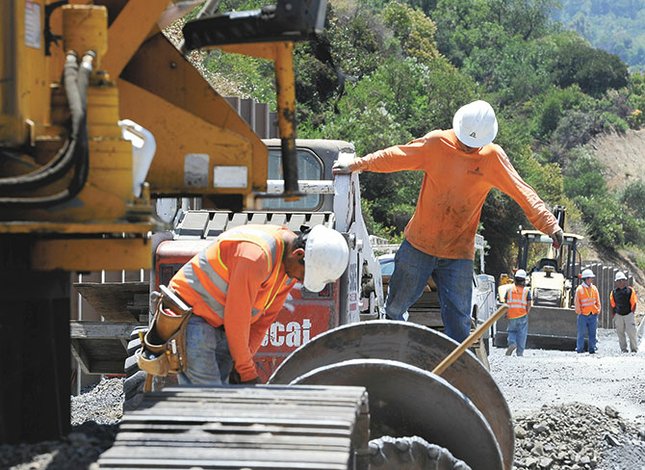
{"x":571,"y":412}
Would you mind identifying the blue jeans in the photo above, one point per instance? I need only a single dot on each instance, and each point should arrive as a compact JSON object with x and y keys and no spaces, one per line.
{"x":207,"y":355}
{"x":454,"y":280}
{"x":518,"y":330}
{"x":587,"y":323}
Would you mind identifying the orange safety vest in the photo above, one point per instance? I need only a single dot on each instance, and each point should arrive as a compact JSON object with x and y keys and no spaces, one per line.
{"x":203,"y":281}
{"x":588,"y":300}
{"x":517,"y":300}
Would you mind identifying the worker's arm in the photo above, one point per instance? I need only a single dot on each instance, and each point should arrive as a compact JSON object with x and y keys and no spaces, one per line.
{"x":633,"y":300}
{"x":247,"y":272}
{"x":260,"y":327}
{"x":612,"y":303}
{"x":529,"y":301}
{"x":507,"y":180}
{"x":576,"y":302}
{"x":410,"y":156}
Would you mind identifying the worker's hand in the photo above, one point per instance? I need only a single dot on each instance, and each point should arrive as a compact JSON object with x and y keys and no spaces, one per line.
{"x":234,"y":379}
{"x":558,"y":238}
{"x":344,"y":168}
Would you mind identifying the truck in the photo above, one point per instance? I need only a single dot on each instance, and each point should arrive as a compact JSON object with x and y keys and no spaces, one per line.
{"x":85,"y":89}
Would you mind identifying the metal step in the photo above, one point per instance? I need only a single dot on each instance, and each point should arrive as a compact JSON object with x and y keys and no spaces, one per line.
{"x":263,"y":427}
{"x":204,"y":224}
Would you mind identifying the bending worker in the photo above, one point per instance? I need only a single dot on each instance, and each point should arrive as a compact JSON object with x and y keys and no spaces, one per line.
{"x":587,"y":303}
{"x":623,"y":308}
{"x":461,"y":166}
{"x":236,"y":287}
{"x":518,"y":299}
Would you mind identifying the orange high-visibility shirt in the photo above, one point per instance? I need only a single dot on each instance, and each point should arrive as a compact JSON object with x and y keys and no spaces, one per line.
{"x":518,"y":302}
{"x":248,"y":269}
{"x":455,"y":186}
{"x":587,"y":300}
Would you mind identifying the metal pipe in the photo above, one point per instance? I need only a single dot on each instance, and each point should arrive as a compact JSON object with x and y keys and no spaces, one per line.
{"x":286,"y":94}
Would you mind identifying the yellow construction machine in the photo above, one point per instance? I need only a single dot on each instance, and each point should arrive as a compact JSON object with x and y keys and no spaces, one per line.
{"x":100,"y":113}
{"x":552,"y":277}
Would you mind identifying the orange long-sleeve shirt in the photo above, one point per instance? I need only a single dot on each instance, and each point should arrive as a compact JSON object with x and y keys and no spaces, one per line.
{"x":248,"y":272}
{"x":454,"y":189}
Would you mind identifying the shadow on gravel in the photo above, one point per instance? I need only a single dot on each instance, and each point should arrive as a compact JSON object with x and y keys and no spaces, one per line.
{"x":78,"y":450}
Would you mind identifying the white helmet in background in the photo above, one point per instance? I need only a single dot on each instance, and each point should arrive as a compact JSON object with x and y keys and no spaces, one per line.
{"x":520,"y":274}
{"x":587,"y":273}
{"x":326,"y":257}
{"x":475,"y":124}
{"x":620,"y":276}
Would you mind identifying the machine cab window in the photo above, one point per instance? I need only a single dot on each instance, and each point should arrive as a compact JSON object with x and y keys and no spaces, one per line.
{"x":310,"y":167}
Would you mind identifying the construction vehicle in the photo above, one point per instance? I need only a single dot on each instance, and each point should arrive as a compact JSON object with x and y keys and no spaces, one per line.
{"x":552,"y":277}
{"x":84,"y":157}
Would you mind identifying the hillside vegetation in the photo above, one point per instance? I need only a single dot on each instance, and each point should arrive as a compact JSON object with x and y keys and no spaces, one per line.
{"x":613,"y":25}
{"x":386,"y":71}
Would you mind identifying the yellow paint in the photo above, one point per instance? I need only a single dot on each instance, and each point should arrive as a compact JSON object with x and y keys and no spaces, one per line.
{"x":85,"y":29}
{"x":91,"y":254}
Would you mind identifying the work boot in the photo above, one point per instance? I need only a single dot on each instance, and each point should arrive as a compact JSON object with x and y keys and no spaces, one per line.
{"x":510,"y":349}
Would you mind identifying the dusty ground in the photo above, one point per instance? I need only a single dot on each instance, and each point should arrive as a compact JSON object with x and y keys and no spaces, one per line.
{"x":557,"y":377}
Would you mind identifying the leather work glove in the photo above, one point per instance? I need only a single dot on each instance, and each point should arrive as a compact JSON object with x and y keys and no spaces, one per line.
{"x":234,"y":379}
{"x":558,"y":238}
{"x":343,"y":168}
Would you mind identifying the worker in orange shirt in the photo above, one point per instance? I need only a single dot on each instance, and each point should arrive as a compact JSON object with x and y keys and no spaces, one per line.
{"x":587,"y":304}
{"x":236,"y":287}
{"x":461,"y":165}
{"x":518,"y":299}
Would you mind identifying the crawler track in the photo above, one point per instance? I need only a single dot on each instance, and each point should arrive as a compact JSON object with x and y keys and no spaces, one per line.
{"x":305,"y":427}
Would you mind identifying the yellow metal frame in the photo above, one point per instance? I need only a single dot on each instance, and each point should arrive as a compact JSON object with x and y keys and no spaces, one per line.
{"x":91,"y":254}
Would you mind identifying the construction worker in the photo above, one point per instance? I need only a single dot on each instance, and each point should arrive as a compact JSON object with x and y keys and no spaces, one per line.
{"x":518,"y":299}
{"x":587,"y":303}
{"x":236,"y":287}
{"x":461,"y":166}
{"x":623,"y":309}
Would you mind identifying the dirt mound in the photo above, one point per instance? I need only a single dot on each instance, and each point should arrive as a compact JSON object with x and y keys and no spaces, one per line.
{"x":623,"y":156}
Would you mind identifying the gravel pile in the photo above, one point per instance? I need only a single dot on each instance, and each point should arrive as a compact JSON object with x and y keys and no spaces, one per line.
{"x":578,"y":436}
{"x":95,"y":417}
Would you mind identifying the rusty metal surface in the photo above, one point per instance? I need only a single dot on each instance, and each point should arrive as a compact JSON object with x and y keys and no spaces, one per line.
{"x":415,"y":345}
{"x":407,"y":401}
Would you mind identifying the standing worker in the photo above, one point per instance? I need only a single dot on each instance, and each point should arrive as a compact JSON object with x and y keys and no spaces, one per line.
{"x":236,"y":287}
{"x":518,"y":299}
{"x":623,"y":309}
{"x":587,"y":302}
{"x":461,"y":166}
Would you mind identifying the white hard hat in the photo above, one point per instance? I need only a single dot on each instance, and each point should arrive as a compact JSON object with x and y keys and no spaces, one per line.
{"x":520,"y":274}
{"x":326,"y":257}
{"x":587,"y":273}
{"x":620,"y":276}
{"x":475,"y":124}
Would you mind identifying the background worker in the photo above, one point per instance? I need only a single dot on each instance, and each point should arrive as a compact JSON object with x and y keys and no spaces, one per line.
{"x":236,"y":287}
{"x":623,"y":308}
{"x":518,"y":299}
{"x":587,"y":303}
{"x":461,"y":166}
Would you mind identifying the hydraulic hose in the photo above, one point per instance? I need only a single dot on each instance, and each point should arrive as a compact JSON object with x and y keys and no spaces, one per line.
{"x":57,"y":167}
{"x":76,"y":84}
